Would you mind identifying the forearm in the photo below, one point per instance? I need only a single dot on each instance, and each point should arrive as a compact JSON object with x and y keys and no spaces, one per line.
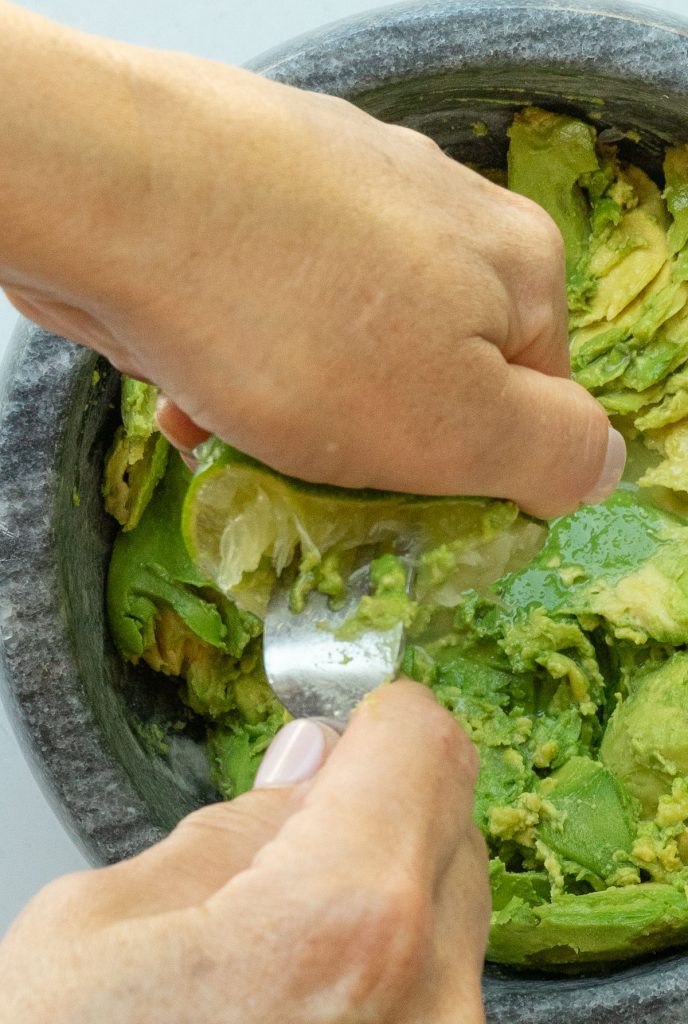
{"x":91,"y":152}
{"x":69,"y":155}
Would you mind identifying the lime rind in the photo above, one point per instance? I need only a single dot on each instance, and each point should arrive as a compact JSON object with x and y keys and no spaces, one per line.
{"x":241,"y":518}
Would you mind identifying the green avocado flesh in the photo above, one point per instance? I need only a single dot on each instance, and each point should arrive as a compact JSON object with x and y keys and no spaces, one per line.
{"x":559,"y":647}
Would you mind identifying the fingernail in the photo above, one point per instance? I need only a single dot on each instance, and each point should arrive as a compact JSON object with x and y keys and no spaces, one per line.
{"x":612,"y":469}
{"x":295,"y":754}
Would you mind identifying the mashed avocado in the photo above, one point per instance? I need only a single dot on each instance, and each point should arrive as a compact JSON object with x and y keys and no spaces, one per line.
{"x":561,"y":648}
{"x":162,"y":611}
{"x":138,"y":457}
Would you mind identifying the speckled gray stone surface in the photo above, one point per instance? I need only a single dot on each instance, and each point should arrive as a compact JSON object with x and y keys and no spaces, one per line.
{"x":438,"y":66}
{"x":78,"y":709}
{"x":43,"y":392}
{"x":625,"y":39}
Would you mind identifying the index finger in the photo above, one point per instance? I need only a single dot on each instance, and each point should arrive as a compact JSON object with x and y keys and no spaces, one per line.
{"x":397,"y":787}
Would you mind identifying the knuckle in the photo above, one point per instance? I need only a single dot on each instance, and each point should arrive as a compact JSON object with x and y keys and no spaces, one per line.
{"x":552,"y":243}
{"x":337,"y":103}
{"x":403,"y":909}
{"x":417,"y":138}
{"x":480,"y":855}
{"x":457,"y":749}
{"x":539,"y":227}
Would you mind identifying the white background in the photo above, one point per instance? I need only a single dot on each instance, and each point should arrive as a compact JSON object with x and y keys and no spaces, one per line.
{"x":33,"y":846}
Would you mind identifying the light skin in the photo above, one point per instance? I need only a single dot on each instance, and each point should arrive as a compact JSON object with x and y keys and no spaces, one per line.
{"x":356,"y":896}
{"x":338,"y":298}
{"x":323,"y":290}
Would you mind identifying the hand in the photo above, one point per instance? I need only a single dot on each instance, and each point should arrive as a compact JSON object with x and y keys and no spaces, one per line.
{"x":360,"y":895}
{"x":327,"y":292}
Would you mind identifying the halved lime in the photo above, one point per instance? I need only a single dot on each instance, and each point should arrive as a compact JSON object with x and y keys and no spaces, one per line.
{"x":243,"y":522}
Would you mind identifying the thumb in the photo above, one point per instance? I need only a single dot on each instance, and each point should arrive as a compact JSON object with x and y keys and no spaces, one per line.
{"x":557,"y":449}
{"x":211,"y":845}
{"x":400,"y":779}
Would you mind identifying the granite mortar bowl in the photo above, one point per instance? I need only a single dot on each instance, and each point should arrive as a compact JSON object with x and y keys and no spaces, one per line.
{"x":84,"y":717}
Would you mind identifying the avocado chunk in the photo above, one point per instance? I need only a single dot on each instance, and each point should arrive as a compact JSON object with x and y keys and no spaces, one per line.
{"x":623,"y":565}
{"x":637,"y":363}
{"x":646,"y":740}
{"x":589,"y":928}
{"x":162,"y":610}
{"x":625,"y":259}
{"x":672,"y":443}
{"x":676,"y":195}
{"x":237,"y":747}
{"x":548,"y":155}
{"x":138,"y":457}
{"x":590,"y":824}
{"x":529,"y":887}
{"x":150,"y":565}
